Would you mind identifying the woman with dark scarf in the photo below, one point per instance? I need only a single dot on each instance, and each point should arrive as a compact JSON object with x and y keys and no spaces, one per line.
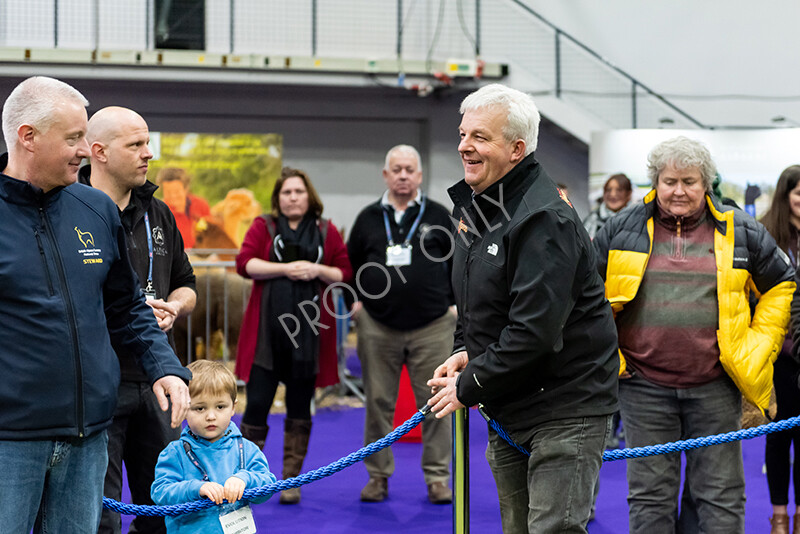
{"x":288,"y":334}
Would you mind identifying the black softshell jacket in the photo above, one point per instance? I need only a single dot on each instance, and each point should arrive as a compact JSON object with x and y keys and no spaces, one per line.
{"x":533,"y":317}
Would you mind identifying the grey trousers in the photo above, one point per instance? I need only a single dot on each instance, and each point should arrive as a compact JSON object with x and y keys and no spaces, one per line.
{"x":552,"y":490}
{"x":714,"y":475}
{"x":383,"y":351}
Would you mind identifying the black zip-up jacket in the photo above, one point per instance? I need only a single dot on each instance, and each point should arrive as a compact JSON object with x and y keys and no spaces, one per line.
{"x":68,"y":298}
{"x":533,"y":317}
{"x":171,"y":266}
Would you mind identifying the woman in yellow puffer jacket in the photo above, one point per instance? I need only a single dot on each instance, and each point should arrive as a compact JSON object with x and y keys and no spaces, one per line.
{"x":679,"y":270}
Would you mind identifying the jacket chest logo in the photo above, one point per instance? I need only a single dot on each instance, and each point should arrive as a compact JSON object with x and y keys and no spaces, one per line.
{"x":492,"y":249}
{"x":563,"y":196}
{"x":90,"y":253}
{"x":158,"y":236}
{"x":86,"y":238}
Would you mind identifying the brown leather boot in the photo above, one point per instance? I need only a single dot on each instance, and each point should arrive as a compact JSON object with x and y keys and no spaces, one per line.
{"x":256,"y":434}
{"x":295,"y":445}
{"x":780,"y":524}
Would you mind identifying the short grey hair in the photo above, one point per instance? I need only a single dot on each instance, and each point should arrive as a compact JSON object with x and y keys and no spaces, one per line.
{"x":407,"y":149}
{"x":34,"y":102}
{"x":682,"y":153}
{"x":522,"y":121}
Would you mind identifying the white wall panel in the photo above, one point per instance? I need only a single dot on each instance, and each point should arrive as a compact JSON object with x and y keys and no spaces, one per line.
{"x":218,"y":26}
{"x":123,"y":25}
{"x":28,"y":23}
{"x":356,"y":28}
{"x":273,"y":27}
{"x":76,"y":22}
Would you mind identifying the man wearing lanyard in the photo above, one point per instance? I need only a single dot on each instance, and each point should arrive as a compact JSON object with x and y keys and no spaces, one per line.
{"x":400,"y":246}
{"x":119,"y":140}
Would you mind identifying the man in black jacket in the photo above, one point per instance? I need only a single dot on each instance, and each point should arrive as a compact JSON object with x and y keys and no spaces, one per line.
{"x":119,"y":143}
{"x":535,"y":342}
{"x":400,"y":248}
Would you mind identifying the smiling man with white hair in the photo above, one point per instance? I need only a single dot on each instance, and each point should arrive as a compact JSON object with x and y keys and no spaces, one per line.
{"x":535,"y":342}
{"x":67,"y":293}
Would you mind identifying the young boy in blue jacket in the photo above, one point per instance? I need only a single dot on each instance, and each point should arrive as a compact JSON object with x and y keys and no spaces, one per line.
{"x":211,"y":459}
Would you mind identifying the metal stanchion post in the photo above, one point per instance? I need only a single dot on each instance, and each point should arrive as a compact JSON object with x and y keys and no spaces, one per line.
{"x":461,"y":471}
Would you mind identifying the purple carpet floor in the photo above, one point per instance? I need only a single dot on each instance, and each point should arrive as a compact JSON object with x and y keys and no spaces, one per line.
{"x":332,"y":506}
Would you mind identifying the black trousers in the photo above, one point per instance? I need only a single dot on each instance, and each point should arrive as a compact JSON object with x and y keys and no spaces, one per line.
{"x":261,"y":393}
{"x":777,"y":455}
{"x":138,"y":434}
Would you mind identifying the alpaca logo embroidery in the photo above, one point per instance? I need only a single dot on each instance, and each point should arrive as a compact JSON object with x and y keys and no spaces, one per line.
{"x":158,"y":236}
{"x":86,"y":238}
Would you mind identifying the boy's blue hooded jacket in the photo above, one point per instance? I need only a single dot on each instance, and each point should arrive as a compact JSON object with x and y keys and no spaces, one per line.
{"x":178,"y":480}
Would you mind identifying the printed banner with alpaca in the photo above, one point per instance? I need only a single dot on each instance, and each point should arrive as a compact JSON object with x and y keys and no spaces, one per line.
{"x":215,"y":184}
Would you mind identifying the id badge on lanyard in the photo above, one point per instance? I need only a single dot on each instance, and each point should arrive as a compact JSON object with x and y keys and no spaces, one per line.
{"x":238,"y":522}
{"x":398,"y":255}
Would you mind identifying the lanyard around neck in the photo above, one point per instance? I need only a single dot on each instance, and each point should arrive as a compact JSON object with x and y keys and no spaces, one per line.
{"x":149,"y":252}
{"x":410,"y":231}
{"x":193,"y":458}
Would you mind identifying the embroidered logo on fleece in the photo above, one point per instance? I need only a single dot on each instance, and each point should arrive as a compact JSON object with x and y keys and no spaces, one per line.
{"x":86,"y":238}
{"x":89,"y":252}
{"x":158,"y":236}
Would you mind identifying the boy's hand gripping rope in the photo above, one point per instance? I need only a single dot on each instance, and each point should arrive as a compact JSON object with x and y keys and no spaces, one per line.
{"x":280,"y":485}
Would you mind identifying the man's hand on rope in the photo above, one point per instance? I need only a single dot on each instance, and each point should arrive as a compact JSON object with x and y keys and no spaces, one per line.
{"x":443,"y":385}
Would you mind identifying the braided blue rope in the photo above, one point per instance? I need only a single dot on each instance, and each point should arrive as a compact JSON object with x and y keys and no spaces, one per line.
{"x":673,"y":446}
{"x":280,"y":485}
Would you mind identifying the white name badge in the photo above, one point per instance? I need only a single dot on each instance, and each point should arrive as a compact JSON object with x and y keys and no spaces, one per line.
{"x":398,"y":255}
{"x":238,"y":522}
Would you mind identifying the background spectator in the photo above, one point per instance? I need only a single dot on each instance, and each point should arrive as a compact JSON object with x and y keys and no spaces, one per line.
{"x":292,"y":254}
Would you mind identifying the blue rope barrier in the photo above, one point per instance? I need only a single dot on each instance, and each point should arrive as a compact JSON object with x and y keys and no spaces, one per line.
{"x":280,"y":485}
{"x":673,"y":446}
{"x":397,"y":433}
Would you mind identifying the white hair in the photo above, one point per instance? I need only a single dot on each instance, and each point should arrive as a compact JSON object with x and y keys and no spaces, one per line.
{"x":407,"y":149}
{"x":33,"y":102}
{"x":682,"y":153}
{"x":523,"y":117}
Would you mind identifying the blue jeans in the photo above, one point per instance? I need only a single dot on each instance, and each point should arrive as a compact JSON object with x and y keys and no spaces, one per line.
{"x":58,"y":485}
{"x":552,"y":490}
{"x":653,"y":414}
